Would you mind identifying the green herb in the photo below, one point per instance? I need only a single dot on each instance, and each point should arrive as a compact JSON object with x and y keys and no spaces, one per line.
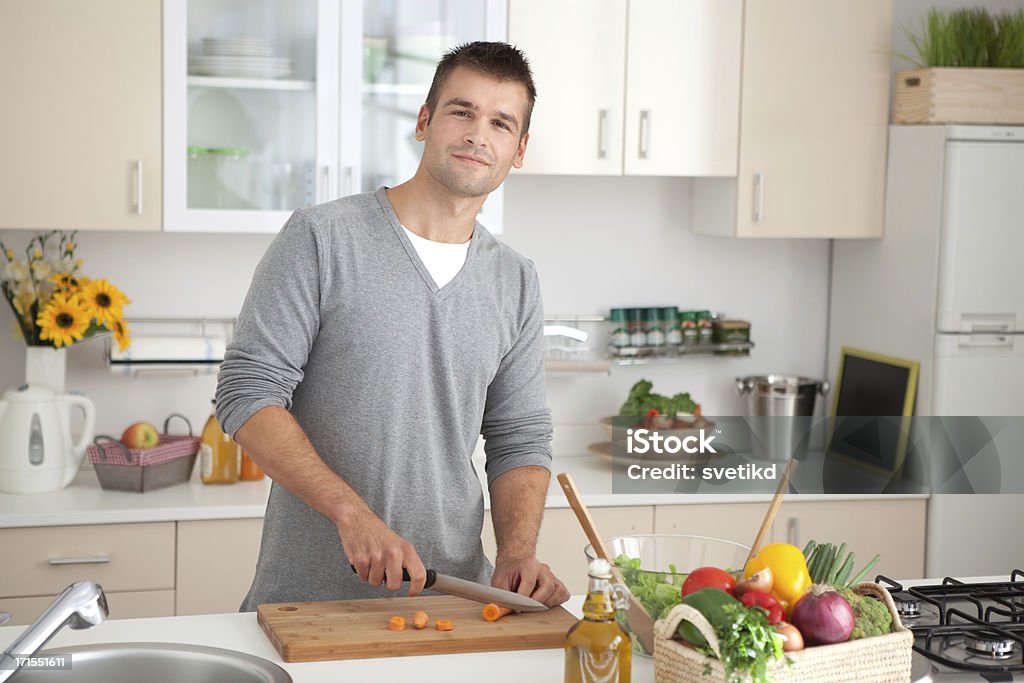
{"x":641,"y":400}
{"x":657,"y":592}
{"x":748,"y":645}
{"x":969,"y":37}
{"x":827,"y":564}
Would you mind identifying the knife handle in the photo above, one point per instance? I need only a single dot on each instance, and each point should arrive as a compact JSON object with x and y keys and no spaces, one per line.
{"x":431,"y":576}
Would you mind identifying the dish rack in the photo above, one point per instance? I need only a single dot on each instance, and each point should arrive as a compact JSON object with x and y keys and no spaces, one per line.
{"x":120,"y":468}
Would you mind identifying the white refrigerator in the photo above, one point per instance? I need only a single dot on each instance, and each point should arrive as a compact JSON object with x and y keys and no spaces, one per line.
{"x":945,"y":287}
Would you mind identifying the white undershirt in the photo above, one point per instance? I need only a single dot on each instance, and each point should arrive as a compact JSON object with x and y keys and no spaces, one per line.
{"x":443,"y":260}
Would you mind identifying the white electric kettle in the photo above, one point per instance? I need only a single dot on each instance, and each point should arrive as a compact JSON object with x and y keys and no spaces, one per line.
{"x":36,"y":451}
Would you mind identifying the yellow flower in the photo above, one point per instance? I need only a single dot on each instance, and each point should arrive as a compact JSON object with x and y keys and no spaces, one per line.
{"x":65,"y":282}
{"x":103,"y":301}
{"x":121,"y":334}
{"x":9,"y":254}
{"x":63,"y":320}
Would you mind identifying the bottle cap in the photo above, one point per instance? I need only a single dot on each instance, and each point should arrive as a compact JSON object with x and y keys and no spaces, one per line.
{"x":600,"y":569}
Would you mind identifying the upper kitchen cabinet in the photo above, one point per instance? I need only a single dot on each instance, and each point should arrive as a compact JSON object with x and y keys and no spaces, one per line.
{"x":80,"y":127}
{"x":634,"y":87}
{"x":813,"y":124}
{"x":401,"y":42}
{"x":251,"y":111}
{"x":273,"y":105}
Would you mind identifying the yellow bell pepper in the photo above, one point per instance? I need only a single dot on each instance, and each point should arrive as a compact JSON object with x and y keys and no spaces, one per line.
{"x":790,"y":577}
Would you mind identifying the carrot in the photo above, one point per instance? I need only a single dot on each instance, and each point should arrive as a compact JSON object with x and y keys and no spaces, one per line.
{"x":444,"y":624}
{"x":396,"y":624}
{"x":493,"y":612}
{"x":419,"y":620}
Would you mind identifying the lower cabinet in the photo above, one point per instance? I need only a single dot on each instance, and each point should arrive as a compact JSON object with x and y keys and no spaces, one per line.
{"x":133,"y":562}
{"x":215,"y":565}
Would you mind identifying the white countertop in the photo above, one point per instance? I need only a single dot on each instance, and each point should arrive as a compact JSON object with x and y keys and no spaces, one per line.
{"x":84,"y":502}
{"x":240,"y":632}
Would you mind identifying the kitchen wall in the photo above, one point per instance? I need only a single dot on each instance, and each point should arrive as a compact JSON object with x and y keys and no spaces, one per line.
{"x":597,"y":242}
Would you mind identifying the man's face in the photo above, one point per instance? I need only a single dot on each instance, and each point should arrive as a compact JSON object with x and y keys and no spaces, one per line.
{"x":475,"y":135}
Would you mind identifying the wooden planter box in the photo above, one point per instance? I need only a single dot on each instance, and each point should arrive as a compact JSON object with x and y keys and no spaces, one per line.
{"x":947,"y":95}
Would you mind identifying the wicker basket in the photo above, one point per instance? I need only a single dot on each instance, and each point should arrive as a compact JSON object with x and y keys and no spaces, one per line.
{"x":120,"y":468}
{"x":882,"y":659}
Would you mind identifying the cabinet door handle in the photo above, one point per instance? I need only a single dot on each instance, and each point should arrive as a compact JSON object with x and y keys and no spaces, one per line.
{"x":325,"y":184}
{"x":90,"y":559}
{"x":138,"y":186}
{"x":645,"y":133}
{"x":602,"y":134}
{"x":759,"y":197}
{"x":793,"y":531}
{"x":349,"y":180}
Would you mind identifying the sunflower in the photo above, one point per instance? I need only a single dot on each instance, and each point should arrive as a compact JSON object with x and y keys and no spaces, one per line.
{"x":66,"y":282}
{"x":103,"y":301}
{"x":63,"y":320}
{"x":121,"y":334}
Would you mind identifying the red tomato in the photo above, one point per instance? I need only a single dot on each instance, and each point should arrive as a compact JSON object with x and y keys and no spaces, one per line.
{"x":708,"y":577}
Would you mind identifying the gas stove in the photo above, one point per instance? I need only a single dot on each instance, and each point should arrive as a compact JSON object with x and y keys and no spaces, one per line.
{"x":964,"y":631}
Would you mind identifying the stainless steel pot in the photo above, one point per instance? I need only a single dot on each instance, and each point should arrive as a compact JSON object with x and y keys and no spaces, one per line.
{"x":780,"y":395}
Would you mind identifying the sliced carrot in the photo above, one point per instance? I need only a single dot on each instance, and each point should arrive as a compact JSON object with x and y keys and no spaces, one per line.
{"x":396,"y":624}
{"x":444,"y":624}
{"x":419,"y":620}
{"x":494,"y":612}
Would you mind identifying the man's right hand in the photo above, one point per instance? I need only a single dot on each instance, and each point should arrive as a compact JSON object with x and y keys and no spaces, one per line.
{"x":379,"y":554}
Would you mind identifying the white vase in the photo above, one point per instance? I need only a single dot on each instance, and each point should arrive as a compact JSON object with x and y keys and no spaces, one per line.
{"x":46,"y":366}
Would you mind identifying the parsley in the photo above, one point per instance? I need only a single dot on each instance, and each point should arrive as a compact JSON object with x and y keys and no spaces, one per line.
{"x":748,"y":645}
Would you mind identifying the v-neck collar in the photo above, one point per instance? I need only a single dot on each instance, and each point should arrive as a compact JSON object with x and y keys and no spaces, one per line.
{"x":414,"y":257}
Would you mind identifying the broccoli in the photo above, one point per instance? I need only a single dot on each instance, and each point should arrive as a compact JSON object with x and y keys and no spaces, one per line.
{"x":871,"y":617}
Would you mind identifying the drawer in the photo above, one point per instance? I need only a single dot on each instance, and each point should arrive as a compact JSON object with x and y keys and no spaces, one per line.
{"x":41,"y":561}
{"x":131,"y":605}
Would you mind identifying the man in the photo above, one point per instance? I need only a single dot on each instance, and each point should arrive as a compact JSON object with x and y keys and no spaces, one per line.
{"x":381,"y":335}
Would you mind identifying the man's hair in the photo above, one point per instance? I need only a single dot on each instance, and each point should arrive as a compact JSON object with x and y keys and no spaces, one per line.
{"x":497,"y":60}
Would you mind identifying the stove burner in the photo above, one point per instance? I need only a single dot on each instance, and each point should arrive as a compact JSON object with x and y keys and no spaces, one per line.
{"x":908,"y":608}
{"x":996,"y":648}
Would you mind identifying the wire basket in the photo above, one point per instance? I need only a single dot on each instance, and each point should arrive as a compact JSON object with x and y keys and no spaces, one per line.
{"x":120,"y":468}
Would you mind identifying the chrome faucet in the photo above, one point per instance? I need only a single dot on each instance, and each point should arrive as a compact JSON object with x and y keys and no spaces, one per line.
{"x":81,"y":605}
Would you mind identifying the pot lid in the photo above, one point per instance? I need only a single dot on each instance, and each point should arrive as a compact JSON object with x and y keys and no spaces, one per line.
{"x":778,"y":384}
{"x":30,"y":393}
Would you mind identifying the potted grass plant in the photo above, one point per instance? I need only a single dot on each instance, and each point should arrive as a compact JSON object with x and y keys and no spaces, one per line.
{"x":970,"y":69}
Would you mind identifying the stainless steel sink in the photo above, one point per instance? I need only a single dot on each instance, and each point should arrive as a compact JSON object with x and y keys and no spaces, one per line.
{"x":154,"y":663}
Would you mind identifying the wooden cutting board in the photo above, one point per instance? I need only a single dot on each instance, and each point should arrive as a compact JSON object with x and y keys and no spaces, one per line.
{"x":358,"y":629}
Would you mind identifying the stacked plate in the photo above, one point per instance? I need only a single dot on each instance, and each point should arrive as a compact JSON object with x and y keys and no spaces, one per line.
{"x":242,"y":57}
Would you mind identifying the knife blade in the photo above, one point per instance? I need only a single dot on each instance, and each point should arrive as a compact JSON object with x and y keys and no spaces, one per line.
{"x":470,"y":590}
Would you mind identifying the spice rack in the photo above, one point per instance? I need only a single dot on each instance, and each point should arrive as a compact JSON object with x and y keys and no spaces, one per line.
{"x":579,"y":345}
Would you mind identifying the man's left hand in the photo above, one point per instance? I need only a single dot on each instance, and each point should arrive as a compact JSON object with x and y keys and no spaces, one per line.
{"x":527,"y":576}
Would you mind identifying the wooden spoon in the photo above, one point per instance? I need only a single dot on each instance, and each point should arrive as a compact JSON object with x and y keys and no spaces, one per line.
{"x":640,"y":621}
{"x":773,"y":507}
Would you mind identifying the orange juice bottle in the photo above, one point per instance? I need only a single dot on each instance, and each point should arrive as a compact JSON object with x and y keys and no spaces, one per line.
{"x":218,"y":454}
{"x":250,"y":471}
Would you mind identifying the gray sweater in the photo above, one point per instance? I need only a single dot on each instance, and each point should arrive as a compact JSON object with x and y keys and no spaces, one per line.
{"x":393,"y":381}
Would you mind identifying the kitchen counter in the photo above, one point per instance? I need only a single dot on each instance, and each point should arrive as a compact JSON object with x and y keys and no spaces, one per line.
{"x":241,"y":632}
{"x":84,"y":502}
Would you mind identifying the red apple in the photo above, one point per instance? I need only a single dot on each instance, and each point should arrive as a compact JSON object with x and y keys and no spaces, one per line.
{"x":140,"y":435}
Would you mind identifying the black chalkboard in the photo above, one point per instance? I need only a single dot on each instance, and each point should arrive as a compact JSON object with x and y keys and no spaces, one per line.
{"x":870,"y":418}
{"x":869,"y":386}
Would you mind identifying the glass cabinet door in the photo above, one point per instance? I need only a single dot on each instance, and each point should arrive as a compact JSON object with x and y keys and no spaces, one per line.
{"x":251,"y":111}
{"x":402,"y":41}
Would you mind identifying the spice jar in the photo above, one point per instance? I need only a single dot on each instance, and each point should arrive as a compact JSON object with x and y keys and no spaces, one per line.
{"x":704,"y":331}
{"x":637,"y":335}
{"x":620,"y":328}
{"x":688,"y":323}
{"x":655,"y":333}
{"x":670,"y":319}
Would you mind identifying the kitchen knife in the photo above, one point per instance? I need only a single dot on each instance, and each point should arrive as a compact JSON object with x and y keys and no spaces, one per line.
{"x":451,"y":585}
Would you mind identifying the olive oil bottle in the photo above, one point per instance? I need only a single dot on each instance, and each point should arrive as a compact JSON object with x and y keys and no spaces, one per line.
{"x":597,"y":650}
